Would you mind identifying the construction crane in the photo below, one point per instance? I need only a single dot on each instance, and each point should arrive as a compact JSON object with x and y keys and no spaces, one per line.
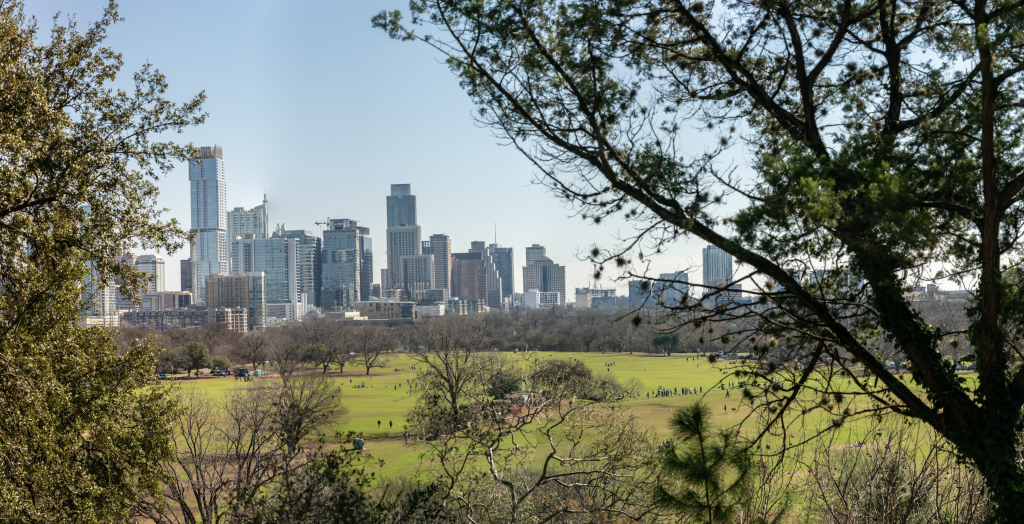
{"x":322,"y":224}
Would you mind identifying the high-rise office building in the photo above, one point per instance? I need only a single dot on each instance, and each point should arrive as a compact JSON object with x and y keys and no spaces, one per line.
{"x":100,"y":301}
{"x":209,"y":217}
{"x":290,"y":268}
{"x":441,"y":248}
{"x":504,"y":262}
{"x":402,"y":241}
{"x":401,"y":206}
{"x":242,"y":221}
{"x":469,"y":282}
{"x":403,"y":233}
{"x":417,"y":273}
{"x":309,"y":250}
{"x":347,"y":264}
{"x":494,"y":296}
{"x":186,"y":275}
{"x":152,"y":265}
{"x":278,"y":259}
{"x":672,"y":288}
{"x":241,"y":291}
{"x":534,"y":252}
{"x":542,"y":274}
{"x":717,"y":267}
{"x":637,"y":295}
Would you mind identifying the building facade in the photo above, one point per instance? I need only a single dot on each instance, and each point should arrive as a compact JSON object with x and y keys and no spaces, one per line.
{"x":255,"y":222}
{"x":166,"y":300}
{"x":544,"y":275}
{"x":461,"y":306}
{"x":209,"y":251}
{"x":245,"y":291}
{"x":717,"y":267}
{"x":672,"y":289}
{"x":186,"y":274}
{"x":504,"y":264}
{"x":385,"y":309}
{"x":401,"y":206}
{"x":469,"y":282}
{"x":402,"y":241}
{"x":347,"y":265}
{"x":166,"y":320}
{"x":441,"y":248}
{"x":309,"y":251}
{"x":154,"y":266}
{"x":534,"y":252}
{"x":534,"y":299}
{"x":416,"y":272}
{"x":235,"y":318}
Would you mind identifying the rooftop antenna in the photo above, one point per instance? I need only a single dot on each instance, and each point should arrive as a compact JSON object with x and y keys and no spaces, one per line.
{"x":495,"y":233}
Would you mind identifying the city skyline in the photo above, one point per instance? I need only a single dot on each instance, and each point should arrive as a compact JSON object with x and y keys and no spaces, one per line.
{"x":292,"y":155}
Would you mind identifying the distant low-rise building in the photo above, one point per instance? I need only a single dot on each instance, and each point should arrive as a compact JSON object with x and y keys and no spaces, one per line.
{"x":461,"y":306}
{"x":582,"y":298}
{"x":166,"y":300}
{"x":385,"y":309}
{"x":235,"y":318}
{"x":535,"y":299}
{"x":425,"y":311}
{"x":166,"y":320}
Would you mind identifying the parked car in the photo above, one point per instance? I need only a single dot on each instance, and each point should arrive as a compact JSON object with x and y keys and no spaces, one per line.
{"x":163,"y":376}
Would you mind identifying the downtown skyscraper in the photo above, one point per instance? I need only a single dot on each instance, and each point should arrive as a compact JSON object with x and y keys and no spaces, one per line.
{"x":403,"y":233}
{"x":208,"y":198}
{"x":347,"y":274}
{"x":718,"y":270}
{"x":255,"y":222}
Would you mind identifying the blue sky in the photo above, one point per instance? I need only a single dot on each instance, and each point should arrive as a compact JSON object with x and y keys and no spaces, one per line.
{"x":324,"y":112}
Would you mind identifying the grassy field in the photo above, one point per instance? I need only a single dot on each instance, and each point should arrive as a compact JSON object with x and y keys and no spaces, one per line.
{"x":386,"y":398}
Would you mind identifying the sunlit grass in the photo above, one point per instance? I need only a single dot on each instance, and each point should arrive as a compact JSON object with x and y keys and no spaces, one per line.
{"x":387,"y":398}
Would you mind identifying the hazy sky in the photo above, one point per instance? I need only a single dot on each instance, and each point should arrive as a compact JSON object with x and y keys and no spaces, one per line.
{"x":323,"y":113}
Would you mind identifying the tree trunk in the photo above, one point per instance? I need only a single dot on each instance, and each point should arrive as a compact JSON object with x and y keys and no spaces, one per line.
{"x":992,"y":444}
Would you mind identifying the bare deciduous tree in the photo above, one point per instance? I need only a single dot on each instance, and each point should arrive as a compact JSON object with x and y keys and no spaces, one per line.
{"x":253,"y":348}
{"x":372,"y":345}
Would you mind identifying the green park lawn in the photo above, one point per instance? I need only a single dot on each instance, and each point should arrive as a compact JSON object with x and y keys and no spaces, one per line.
{"x":387,"y":398}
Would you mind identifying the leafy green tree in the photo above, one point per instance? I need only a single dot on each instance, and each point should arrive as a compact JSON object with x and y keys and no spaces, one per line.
{"x":195,"y":355}
{"x":667,"y":341}
{"x":710,"y":471}
{"x":79,"y":439}
{"x":220,"y":362}
{"x":881,"y":146}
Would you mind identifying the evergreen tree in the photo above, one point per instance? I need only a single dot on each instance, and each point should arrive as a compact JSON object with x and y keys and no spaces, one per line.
{"x":709,"y":471}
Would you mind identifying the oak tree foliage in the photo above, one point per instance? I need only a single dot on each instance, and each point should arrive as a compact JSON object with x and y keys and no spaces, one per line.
{"x":79,"y":442}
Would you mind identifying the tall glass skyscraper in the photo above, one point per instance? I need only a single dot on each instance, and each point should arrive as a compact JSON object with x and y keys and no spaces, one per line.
{"x":347,"y":264}
{"x":310,"y":257}
{"x":401,"y":206}
{"x":403,"y":233}
{"x":209,"y":252}
{"x":504,"y":262}
{"x":717,"y":267}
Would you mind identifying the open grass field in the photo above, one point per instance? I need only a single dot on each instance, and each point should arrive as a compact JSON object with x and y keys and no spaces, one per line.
{"x":386,"y":398}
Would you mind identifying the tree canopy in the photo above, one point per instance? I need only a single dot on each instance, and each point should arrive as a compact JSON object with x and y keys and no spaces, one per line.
{"x":874,"y":146}
{"x":78,"y":439}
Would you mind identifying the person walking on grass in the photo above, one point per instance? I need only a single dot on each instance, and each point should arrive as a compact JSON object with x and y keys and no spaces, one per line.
{"x":378,"y":424}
